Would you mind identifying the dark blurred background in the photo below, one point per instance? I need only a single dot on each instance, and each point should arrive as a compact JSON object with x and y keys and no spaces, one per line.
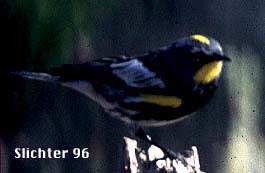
{"x":229,"y":132}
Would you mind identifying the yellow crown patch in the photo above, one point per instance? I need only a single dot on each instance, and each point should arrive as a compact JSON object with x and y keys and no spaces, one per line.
{"x":201,"y":39}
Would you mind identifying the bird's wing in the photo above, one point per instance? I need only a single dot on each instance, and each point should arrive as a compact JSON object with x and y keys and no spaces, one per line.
{"x":136,"y":75}
{"x":115,"y":77}
{"x":114,"y":71}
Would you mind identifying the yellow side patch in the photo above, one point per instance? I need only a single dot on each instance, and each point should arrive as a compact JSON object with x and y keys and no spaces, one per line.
{"x":208,"y":72}
{"x":201,"y":39}
{"x":169,"y":101}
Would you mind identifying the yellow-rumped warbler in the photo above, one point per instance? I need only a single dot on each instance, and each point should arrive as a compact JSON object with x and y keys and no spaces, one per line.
{"x":153,"y":88}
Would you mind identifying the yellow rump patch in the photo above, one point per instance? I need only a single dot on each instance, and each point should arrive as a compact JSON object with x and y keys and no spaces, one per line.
{"x":169,"y":101}
{"x":208,"y":72}
{"x":201,"y":39}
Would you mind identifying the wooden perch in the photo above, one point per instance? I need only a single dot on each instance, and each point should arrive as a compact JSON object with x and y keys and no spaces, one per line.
{"x":153,"y":159}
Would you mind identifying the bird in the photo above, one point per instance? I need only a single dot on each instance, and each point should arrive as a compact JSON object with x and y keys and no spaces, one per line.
{"x":152,"y":89}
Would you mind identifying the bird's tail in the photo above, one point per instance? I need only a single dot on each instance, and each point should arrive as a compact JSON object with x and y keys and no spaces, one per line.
{"x":35,"y":75}
{"x":63,"y":73}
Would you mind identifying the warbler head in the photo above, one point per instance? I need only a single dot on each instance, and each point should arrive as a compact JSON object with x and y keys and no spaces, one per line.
{"x":209,"y":57}
{"x":196,"y":58}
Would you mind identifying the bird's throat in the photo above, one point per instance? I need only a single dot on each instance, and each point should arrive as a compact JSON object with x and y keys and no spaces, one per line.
{"x":208,"y":72}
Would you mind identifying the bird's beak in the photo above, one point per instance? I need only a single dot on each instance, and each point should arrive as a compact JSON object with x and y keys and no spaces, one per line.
{"x":223,"y":58}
